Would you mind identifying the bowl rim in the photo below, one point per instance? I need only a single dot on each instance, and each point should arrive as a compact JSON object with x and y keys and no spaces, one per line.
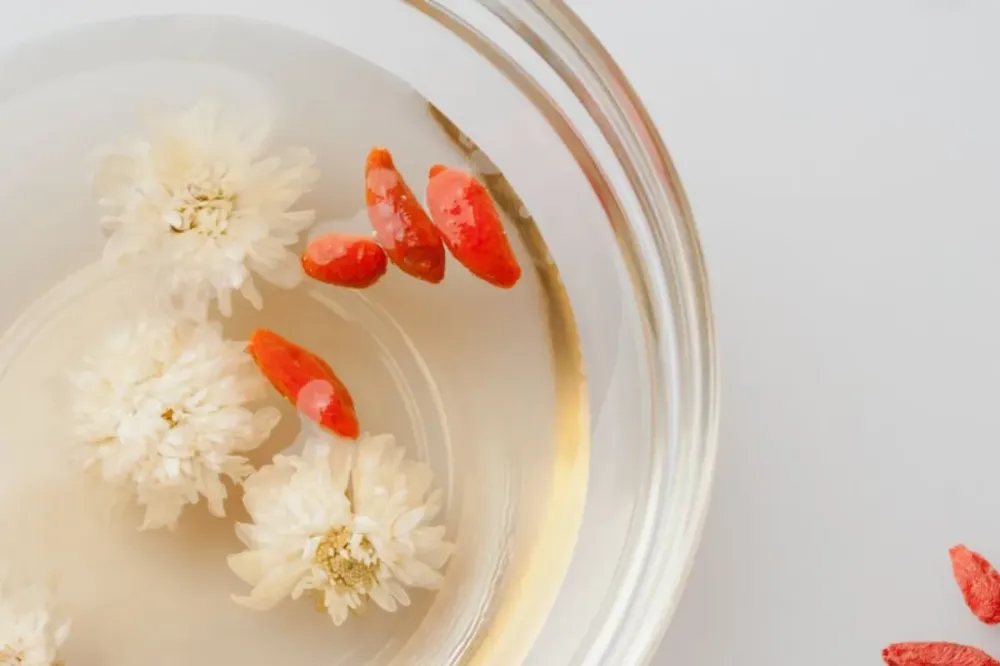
{"x":667,"y":269}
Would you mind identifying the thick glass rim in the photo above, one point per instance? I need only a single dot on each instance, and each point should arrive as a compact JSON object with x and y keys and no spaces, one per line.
{"x":537,"y":42}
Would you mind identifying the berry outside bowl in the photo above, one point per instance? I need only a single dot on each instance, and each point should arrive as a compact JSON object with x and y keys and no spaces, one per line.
{"x":571,"y":420}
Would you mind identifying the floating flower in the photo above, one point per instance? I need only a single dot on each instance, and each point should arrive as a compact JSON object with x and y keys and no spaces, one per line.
{"x":347,"y":521}
{"x":202,"y":203}
{"x":29,"y":634}
{"x":162,"y":411}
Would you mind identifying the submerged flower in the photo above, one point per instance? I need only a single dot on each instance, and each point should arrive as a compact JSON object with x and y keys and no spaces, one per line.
{"x":29,"y":635}
{"x":162,"y":411}
{"x":347,"y":521}
{"x":202,"y":203}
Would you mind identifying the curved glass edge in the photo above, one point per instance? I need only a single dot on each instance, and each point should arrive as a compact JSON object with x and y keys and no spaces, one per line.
{"x":664,"y":256}
{"x":627,"y":123}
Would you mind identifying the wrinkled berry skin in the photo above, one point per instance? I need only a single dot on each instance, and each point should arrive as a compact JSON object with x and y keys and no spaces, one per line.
{"x":936,"y":654}
{"x":979,"y":583}
{"x":345,"y":260}
{"x":467,"y":220}
{"x":305,"y":380}
{"x":401,"y":224}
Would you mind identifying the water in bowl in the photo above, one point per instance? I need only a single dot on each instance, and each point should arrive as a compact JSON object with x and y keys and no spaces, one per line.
{"x":482,"y":383}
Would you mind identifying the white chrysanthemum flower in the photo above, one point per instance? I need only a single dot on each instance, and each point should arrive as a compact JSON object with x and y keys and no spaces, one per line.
{"x":29,"y":634}
{"x":348,"y":521}
{"x":202,"y":203}
{"x":162,"y":411}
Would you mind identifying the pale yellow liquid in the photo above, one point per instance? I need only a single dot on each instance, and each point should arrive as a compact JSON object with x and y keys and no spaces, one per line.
{"x":465,"y":375}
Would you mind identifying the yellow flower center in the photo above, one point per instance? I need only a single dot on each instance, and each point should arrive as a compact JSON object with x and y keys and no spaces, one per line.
{"x":205,"y":209}
{"x":350,"y":565}
{"x":171,"y":417}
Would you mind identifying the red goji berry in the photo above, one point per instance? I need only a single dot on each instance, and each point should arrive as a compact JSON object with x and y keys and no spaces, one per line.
{"x":305,"y":380}
{"x":464,"y":215}
{"x":936,"y":654}
{"x":979,"y":582}
{"x":401,"y":224}
{"x":345,"y":260}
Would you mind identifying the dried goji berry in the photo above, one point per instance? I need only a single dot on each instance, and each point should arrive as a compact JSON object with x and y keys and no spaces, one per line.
{"x":306,"y":380}
{"x":401,"y":224}
{"x":936,"y":654}
{"x":979,"y":582}
{"x":464,"y":214}
{"x":345,"y":260}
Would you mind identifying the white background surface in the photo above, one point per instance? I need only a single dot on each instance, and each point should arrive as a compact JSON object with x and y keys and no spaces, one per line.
{"x":842,"y":158}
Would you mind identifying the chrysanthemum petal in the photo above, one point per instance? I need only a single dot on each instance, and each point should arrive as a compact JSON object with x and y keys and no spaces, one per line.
{"x":343,"y":507}
{"x":162,"y":411}
{"x":201,"y":203}
{"x":28,"y":629}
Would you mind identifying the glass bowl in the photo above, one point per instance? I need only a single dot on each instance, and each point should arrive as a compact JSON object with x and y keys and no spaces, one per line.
{"x":571,"y":421}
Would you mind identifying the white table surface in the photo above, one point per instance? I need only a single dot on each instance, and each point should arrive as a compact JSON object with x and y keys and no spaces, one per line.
{"x":842,"y":158}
